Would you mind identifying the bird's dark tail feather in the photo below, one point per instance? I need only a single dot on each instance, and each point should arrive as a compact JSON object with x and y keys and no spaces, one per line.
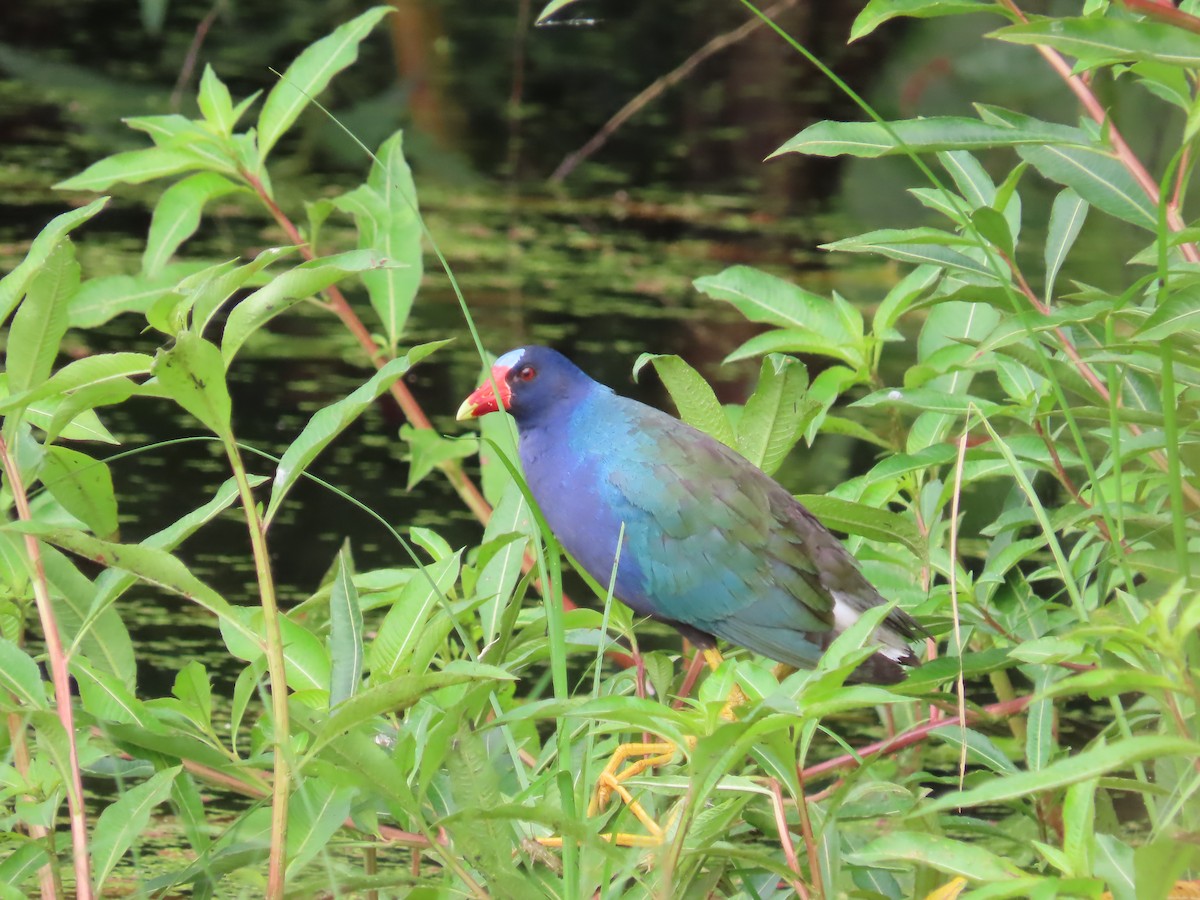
{"x":883,"y":669}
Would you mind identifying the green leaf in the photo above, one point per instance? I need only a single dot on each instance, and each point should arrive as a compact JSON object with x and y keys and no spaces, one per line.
{"x":385,"y":211}
{"x":1039,"y":725}
{"x":102,"y":299}
{"x":306,"y":659}
{"x":102,"y":638}
{"x":796,"y":340}
{"x":215,"y":103}
{"x":206,"y":291}
{"x":41,"y":321}
{"x":12,"y":285}
{"x":693,"y":397}
{"x":1179,"y":312}
{"x":765,"y":298}
{"x":84,"y":488}
{"x":918,"y":246}
{"x":288,"y":289}
{"x":944,"y":854}
{"x":770,"y":424}
{"x":427,"y":450}
{"x":345,"y":633}
{"x":1066,"y":219}
{"x":330,"y":421}
{"x":123,"y":821}
{"x":83,"y":373}
{"x":193,"y":688}
{"x":20,"y":676}
{"x":398,"y":694}
{"x":980,"y":748}
{"x":401,"y":628}
{"x":150,"y":564}
{"x":132,"y":167}
{"x":928,"y":401}
{"x":1071,"y":770}
{"x":109,"y":699}
{"x":316,"y":811}
{"x":193,"y":373}
{"x":876,"y":12}
{"x":866,"y":521}
{"x":177,"y":216}
{"x":500,"y":573}
{"x":309,"y":75}
{"x":870,"y":140}
{"x":1106,"y":39}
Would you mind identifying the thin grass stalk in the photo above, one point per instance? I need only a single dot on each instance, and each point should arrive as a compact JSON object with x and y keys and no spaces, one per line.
{"x":277,"y":668}
{"x":960,"y":685}
{"x":60,"y":677}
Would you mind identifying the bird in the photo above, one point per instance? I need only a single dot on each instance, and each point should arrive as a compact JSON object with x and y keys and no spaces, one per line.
{"x":710,"y":544}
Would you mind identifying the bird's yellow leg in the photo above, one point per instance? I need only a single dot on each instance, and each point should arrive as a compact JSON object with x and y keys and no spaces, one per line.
{"x":736,"y":697}
{"x":645,"y":756}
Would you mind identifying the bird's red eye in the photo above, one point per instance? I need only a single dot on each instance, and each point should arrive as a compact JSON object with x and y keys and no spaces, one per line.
{"x":527,"y":373}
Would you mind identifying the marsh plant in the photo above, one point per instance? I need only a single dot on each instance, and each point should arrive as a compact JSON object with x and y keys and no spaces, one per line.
{"x":395,"y":731}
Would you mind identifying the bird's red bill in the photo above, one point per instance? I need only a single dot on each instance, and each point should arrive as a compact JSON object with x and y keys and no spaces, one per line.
{"x":483,"y":400}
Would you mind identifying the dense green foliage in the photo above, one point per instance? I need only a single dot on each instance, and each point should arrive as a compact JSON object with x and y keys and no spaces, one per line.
{"x":1034,"y":503}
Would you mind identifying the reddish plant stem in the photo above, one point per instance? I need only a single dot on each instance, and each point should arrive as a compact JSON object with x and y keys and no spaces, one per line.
{"x":1164,"y":12}
{"x":1096,"y":110}
{"x":810,"y":843}
{"x":47,"y":874}
{"x":785,"y":838}
{"x":914,"y":735}
{"x":60,"y":678}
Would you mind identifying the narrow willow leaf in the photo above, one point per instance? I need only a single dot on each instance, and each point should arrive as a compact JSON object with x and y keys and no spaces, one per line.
{"x":12,"y":285}
{"x":41,"y":321}
{"x":385,"y":211}
{"x":108,"y":698}
{"x":551,"y":8}
{"x":205,"y":292}
{"x":150,"y":564}
{"x":123,"y":821}
{"x":865,"y":521}
{"x":83,"y":486}
{"x":309,"y":75}
{"x":401,"y":628}
{"x":1098,"y":177}
{"x":871,"y":139}
{"x":315,"y":813}
{"x":930,"y":401}
{"x":876,"y":12}
{"x":1066,"y":219}
{"x":288,"y":289}
{"x":307,"y":659}
{"x":216,"y":105}
{"x":797,"y":340}
{"x":83,"y":373}
{"x":345,"y":633}
{"x":761,"y":297}
{"x":500,"y":573}
{"x":692,"y":395}
{"x":427,"y":450}
{"x":193,"y":373}
{"x":397,"y":695}
{"x":193,"y":688}
{"x":1114,"y":862}
{"x":330,"y":421}
{"x":918,"y":246}
{"x":20,"y":865}
{"x":1071,"y":770}
{"x":770,"y":424}
{"x":102,"y":299}
{"x":177,"y":216}
{"x":970,"y":177}
{"x":103,"y":639}
{"x":980,"y":748}
{"x":1179,"y":312}
{"x":944,"y":854}
{"x":112,"y":583}
{"x":132,"y":167}
{"x":1107,"y":39}
{"x":1079,"y":822}
{"x":1039,"y":725}
{"x":20,"y":676}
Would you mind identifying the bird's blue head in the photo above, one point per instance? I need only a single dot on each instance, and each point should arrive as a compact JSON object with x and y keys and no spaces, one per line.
{"x":533,"y":383}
